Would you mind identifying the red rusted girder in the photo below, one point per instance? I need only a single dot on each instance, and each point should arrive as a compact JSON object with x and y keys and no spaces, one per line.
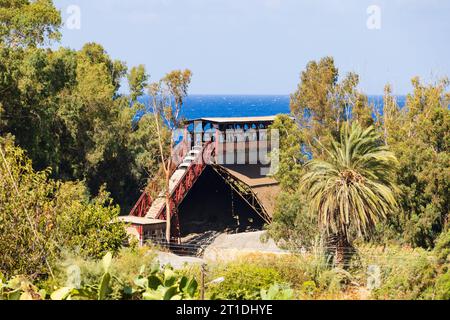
{"x":186,"y":182}
{"x":142,"y":206}
{"x":144,"y":203}
{"x":180,"y":191}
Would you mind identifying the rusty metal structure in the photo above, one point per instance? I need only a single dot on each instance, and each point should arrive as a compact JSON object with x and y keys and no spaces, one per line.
{"x":245,"y":192}
{"x":206,"y":142}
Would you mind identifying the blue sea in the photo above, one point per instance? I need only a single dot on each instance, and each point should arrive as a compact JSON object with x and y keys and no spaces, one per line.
{"x":198,"y":106}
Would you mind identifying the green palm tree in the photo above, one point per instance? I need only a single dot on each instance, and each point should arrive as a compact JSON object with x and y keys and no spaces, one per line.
{"x":352,"y":188}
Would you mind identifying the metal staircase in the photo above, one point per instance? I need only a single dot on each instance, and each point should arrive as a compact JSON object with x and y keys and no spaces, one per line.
{"x":181,"y":181}
{"x":184,"y":177}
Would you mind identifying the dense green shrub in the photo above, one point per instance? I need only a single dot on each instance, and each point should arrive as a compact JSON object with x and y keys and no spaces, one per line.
{"x":134,"y":274}
{"x":40,"y":218}
{"x":84,"y":225}
{"x":418,"y":134}
{"x":441,"y":290}
{"x":293,"y":227}
{"x":309,"y":276}
{"x":242,"y":281}
{"x":334,"y":280}
{"x":289,"y":267}
{"x":277,"y":292}
{"x":406,"y":274}
{"x":27,"y":219}
{"x":101,"y":281}
{"x":442,"y":249}
{"x":128,"y":263}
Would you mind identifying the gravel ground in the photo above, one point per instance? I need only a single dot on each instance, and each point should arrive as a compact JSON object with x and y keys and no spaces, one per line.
{"x":228,"y":247}
{"x":177,"y":262}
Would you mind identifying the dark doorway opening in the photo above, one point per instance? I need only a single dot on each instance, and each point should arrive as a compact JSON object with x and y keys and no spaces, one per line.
{"x":211,"y":205}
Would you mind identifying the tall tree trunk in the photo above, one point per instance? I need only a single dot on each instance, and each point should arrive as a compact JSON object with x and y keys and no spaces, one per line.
{"x":168,"y":218}
{"x":167,"y":193}
{"x":340,"y":249}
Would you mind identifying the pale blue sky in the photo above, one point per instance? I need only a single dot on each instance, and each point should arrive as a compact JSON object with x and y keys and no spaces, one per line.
{"x":260,"y":46}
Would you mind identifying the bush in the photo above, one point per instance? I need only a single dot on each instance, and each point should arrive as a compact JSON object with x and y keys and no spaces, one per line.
{"x":27,"y":218}
{"x":134,"y":274}
{"x":290,"y":268}
{"x":84,"y":226}
{"x":334,"y":281}
{"x":442,"y":249}
{"x":277,"y":292}
{"x":308,"y":275}
{"x":242,"y":281}
{"x":40,"y":218}
{"x":406,"y":274}
{"x":76,"y":271}
{"x":292,"y":226}
{"x":101,"y":282}
{"x":442,"y":287}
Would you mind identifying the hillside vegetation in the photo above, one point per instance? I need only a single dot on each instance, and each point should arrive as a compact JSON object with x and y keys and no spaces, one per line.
{"x":364,"y":206}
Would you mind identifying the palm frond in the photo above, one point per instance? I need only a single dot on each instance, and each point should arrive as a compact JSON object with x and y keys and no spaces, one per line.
{"x":352,"y":189}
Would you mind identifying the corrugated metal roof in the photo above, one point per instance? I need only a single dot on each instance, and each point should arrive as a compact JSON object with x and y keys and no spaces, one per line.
{"x":236,"y":119}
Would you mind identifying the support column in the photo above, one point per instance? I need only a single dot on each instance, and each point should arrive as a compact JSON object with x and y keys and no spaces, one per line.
{"x":186,"y":138}
{"x":257,"y":143}
{"x":198,"y":133}
{"x":217,"y":136}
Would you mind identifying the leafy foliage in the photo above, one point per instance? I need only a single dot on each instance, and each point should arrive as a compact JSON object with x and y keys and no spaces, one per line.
{"x":25,"y":22}
{"x":405,"y":274}
{"x":84,"y":225}
{"x":63,"y":106}
{"x":321,"y":103}
{"x":27,"y":221}
{"x":291,"y":156}
{"x":19,"y":288}
{"x":166,"y":285}
{"x":352,"y":190}
{"x":293,"y":225}
{"x":137,"y":80}
{"x":277,"y":292}
{"x":150,"y":284}
{"x":419,"y":136}
{"x":442,"y":248}
{"x":81,"y":131}
{"x":99,"y":291}
{"x":243,"y":282}
{"x":41,"y":217}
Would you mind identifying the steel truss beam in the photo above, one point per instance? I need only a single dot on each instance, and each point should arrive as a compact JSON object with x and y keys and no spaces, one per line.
{"x":244,"y":191}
